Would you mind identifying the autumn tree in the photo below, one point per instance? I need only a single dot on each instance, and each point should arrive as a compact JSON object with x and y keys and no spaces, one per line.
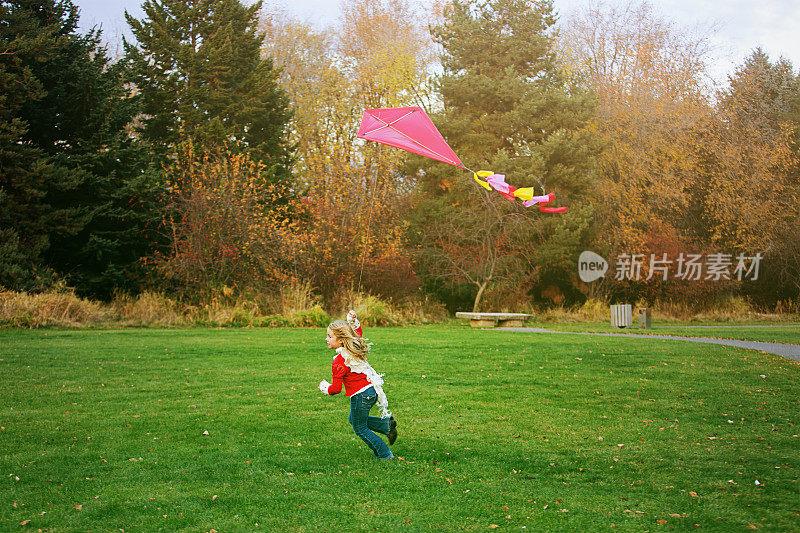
{"x":224,"y":224}
{"x":649,"y":78}
{"x":355,"y":192}
{"x":751,"y":169}
{"x":509,"y":107}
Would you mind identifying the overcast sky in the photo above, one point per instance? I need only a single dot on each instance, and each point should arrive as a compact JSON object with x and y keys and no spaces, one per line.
{"x":742,"y":25}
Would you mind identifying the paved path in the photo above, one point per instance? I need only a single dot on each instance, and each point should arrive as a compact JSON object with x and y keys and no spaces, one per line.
{"x":790,"y":351}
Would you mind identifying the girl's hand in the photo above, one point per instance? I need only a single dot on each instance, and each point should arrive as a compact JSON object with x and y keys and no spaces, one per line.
{"x":323,"y":386}
{"x":353,"y":320}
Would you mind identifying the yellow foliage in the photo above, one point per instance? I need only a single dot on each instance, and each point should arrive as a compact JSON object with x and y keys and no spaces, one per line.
{"x":377,"y":56}
{"x":229,"y":227}
{"x":649,"y":80}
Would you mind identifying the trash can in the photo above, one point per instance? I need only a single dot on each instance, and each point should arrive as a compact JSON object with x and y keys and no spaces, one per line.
{"x":645,"y":318}
{"x":621,"y":315}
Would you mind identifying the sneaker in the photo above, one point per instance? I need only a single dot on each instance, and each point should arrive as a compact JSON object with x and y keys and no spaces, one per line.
{"x":392,"y":430}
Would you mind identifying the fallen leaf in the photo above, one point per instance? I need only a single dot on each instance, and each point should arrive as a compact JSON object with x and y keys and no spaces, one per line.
{"x":79,"y":507}
{"x":693,"y":494}
{"x":662,"y":521}
{"x":214,"y":497}
{"x":25,"y":522}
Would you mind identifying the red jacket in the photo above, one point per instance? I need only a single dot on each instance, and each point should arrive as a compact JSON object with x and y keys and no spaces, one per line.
{"x":354,"y":382}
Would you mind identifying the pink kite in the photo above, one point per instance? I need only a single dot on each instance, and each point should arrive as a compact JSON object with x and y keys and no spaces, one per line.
{"x":412,"y":130}
{"x":408,"y":128}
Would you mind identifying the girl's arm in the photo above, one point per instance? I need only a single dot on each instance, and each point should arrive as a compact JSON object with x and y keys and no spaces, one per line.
{"x":338,"y":380}
{"x":352,"y":319}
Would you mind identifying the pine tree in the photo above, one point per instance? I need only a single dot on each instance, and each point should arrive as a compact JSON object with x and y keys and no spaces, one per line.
{"x":74,"y":180}
{"x":31,"y":34}
{"x":506,"y":99}
{"x":508,"y":107}
{"x":117,"y":195}
{"x":198,"y":69}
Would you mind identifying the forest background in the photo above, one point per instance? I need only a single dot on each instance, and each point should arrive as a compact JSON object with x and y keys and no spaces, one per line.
{"x":213,"y":164}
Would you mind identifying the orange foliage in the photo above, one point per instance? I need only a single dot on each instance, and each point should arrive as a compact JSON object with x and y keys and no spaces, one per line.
{"x":228,"y":226}
{"x":649,"y":79}
{"x":355,"y":193}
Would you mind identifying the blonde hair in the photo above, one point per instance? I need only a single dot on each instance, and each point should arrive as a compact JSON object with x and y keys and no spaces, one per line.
{"x":355,"y":345}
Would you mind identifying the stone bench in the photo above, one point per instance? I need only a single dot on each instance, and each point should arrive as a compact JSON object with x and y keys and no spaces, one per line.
{"x":490,"y":320}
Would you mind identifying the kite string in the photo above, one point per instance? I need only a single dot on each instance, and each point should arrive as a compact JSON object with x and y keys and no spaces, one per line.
{"x":366,"y":242}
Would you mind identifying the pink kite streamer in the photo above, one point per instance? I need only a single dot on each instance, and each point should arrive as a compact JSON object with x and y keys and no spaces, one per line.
{"x":546,"y":199}
{"x":498,"y":181}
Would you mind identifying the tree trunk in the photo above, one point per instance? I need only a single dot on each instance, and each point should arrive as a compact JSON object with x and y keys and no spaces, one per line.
{"x":481,"y":288}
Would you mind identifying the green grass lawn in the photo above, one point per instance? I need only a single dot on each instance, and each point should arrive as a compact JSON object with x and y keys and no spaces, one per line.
{"x":103,"y":430}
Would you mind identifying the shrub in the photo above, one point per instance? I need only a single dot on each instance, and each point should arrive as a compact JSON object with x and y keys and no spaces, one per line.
{"x":373,"y":311}
{"x":271,"y":321}
{"x":316,"y":317}
{"x":421,"y":310}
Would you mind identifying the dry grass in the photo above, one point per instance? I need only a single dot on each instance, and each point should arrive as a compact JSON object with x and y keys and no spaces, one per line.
{"x":296,"y":305}
{"x":147,"y":309}
{"x":59,"y":308}
{"x":373,"y":311}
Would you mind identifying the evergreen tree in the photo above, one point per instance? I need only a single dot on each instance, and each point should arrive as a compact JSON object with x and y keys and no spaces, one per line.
{"x":508,"y":107}
{"x":73,"y":178}
{"x":198,"y":68}
{"x":31,"y":34}
{"x":119,"y":187}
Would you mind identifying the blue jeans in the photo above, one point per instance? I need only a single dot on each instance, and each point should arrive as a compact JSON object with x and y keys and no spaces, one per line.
{"x":364,"y":425}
